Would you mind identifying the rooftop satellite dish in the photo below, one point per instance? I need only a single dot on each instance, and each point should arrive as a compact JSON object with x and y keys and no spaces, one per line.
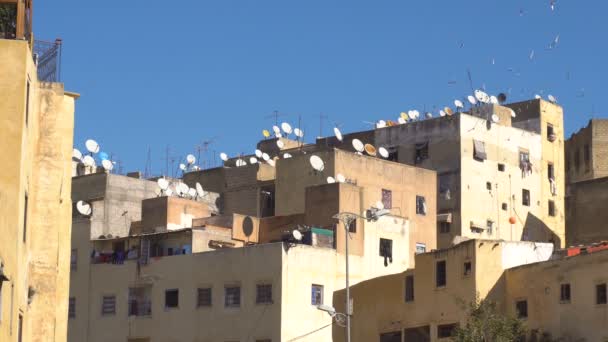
{"x":459,"y":105}
{"x":266,"y":133}
{"x":271,"y":162}
{"x":448,"y":111}
{"x":502,"y":98}
{"x":278,"y":135}
{"x":240,"y":162}
{"x":358,"y":145}
{"x":103,"y":156}
{"x":92,"y":146}
{"x":552,"y":98}
{"x":472,"y":100}
{"x":196,"y":168}
{"x":411,"y":114}
{"x":340,"y":178}
{"x":403,"y":115}
{"x":512,"y":113}
{"x":416,"y":114}
{"x":286,"y":128}
{"x":330,"y":180}
{"x":107,"y":164}
{"x":428,"y":115}
{"x":265,"y":156}
{"x":298,"y":132}
{"x":192,"y":192}
{"x":317,"y":163}
{"x":401,"y":120}
{"x":253,"y":160}
{"x":223,"y":156}
{"x":84,"y":208}
{"x":481,"y":96}
{"x":258,"y":153}
{"x":296,"y":234}
{"x":441,"y":112}
{"x":370,"y":149}
{"x":379,"y":205}
{"x":286,"y":155}
{"x":338,"y":133}
{"x":493,"y":99}
{"x":184,"y":188}
{"x":191,"y":159}
{"x":276,"y":129}
{"x":163,"y":184}
{"x":88,"y":161}
{"x":383,"y":152}
{"x":381,"y":124}
{"x":169,"y":192}
{"x":199,"y":190}
{"x":182,"y":167}
{"x":280,"y":143}
{"x":537,"y":97}
{"x":495,"y":118}
{"x":76,"y":154}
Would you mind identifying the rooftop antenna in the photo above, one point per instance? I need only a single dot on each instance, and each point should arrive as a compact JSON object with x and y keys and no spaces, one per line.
{"x":275,"y":114}
{"x":148,"y":168}
{"x":321,"y":117}
{"x":470,"y":79}
{"x":167,"y":159}
{"x":204,"y":147}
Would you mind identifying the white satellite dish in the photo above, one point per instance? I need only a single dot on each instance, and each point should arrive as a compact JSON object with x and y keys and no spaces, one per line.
{"x":338,"y":133}
{"x":416,"y":114}
{"x":401,"y":120}
{"x":265,"y":156}
{"x":379,"y":205}
{"x":276,"y":129}
{"x":296,"y":234}
{"x":358,"y":145}
{"x":317,"y":163}
{"x":383,"y":152}
{"x":298,"y":132}
{"x":330,"y":180}
{"x":481,"y":96}
{"x":169,"y":192}
{"x":184,"y":188}
{"x":196,"y":168}
{"x":107,"y":164}
{"x":258,"y":153}
{"x":512,"y":113}
{"x":92,"y":146}
{"x":76,"y":154}
{"x":493,"y":99}
{"x":340,"y":178}
{"x":223,"y":156}
{"x":280,"y":143}
{"x":472,"y":100}
{"x":552,"y":98}
{"x":163,"y":184}
{"x":240,"y":162}
{"x":199,"y":190}
{"x":192,"y":192}
{"x":441,"y":112}
{"x":88,"y":161}
{"x":495,"y":118}
{"x":458,"y":104}
{"x":411,"y":114}
{"x":381,"y":124}
{"x":191,"y":159}
{"x":538,"y":97}
{"x":286,"y":128}
{"x":182,"y":167}
{"x":271,"y":162}
{"x":84,"y":208}
{"x":278,"y":135}
{"x":286,"y":155}
{"x":428,"y":115}
{"x":253,"y":160}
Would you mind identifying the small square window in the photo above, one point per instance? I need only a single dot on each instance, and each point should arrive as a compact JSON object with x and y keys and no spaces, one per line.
{"x":551,"y":136}
{"x":203,"y":297}
{"x":446,"y":330}
{"x":479,"y":150}
{"x":108,"y":305}
{"x":550,"y":171}
{"x":420,"y":247}
{"x":564,"y":296}
{"x":422,"y":152}
{"x":172,"y":298}
{"x":525,"y":197}
{"x":316,"y":295}
{"x":352,"y":228}
{"x":409,"y":288}
{"x":440,"y":274}
{"x":444,"y":227}
{"x":501,"y":167}
{"x":420,"y":205}
{"x":600,"y":294}
{"x":468,"y":268}
{"x":232,"y":296}
{"x":505,"y":207}
{"x":521,"y":307}
{"x":263,"y":294}
{"x":551,"y":208}
{"x":387,"y":199}
{"x":489,"y":186}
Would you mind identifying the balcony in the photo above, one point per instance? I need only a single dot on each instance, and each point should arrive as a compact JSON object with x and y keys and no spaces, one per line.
{"x":47,"y":56}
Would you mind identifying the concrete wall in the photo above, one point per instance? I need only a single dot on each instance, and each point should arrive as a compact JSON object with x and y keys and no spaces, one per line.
{"x":595,"y":137}
{"x":586,"y":213}
{"x":171,"y":213}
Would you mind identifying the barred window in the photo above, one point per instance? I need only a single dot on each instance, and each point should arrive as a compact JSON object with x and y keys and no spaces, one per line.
{"x":108,"y":305}
{"x":263,"y":294}
{"x":204,"y":297}
{"x":232,"y":297}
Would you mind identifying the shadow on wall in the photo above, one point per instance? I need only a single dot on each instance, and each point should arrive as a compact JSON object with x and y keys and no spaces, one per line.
{"x":536,"y":230}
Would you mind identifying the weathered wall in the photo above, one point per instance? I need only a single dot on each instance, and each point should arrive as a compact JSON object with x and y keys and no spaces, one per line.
{"x":586,"y":213}
{"x":594,"y":136}
{"x":170,"y":213}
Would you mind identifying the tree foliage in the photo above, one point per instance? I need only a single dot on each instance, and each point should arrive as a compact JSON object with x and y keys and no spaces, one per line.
{"x":8,"y":20}
{"x":486,"y":324}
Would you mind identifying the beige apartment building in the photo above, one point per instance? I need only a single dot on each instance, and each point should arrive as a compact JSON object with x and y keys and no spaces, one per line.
{"x":37,"y":120}
{"x":556,"y":296}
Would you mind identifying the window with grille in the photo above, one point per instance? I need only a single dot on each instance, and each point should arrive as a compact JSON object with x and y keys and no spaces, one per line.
{"x":420,"y":205}
{"x":387,"y":199}
{"x":409,"y":288}
{"x":108,"y":305}
{"x":564,"y":295}
{"x":72,"y":308}
{"x":444,"y":227}
{"x":525,"y":197}
{"x":600,"y":294}
{"x":172,"y":298}
{"x":551,"y":208}
{"x":263,"y":294}
{"x":316,"y":294}
{"x":420,"y":247}
{"x":203,"y":297}
{"x":440,"y":274}
{"x":232,"y":296}
{"x":521,"y":308}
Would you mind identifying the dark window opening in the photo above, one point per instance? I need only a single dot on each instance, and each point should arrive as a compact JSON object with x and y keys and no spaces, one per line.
{"x":420,"y":205}
{"x":393,"y":154}
{"x":386,"y":250}
{"x":446,"y":330}
{"x":267,"y":201}
{"x":352,"y":228}
{"x":422,"y":152}
{"x":551,"y":136}
{"x":524,"y":156}
{"x":20,"y":332}
{"x":501,"y":167}
{"x":440,"y":274}
{"x":263,"y":294}
{"x":521,"y":308}
{"x":232,"y":298}
{"x":505,"y":206}
{"x":171,"y":298}
{"x":394,"y":336}
{"x":8,"y":21}
{"x":551,"y":208}
{"x":468,"y":268}
{"x":108,"y":305}
{"x":203,"y":297}
{"x":564,"y":295}
{"x":316,"y":294}
{"x":444,"y":227}
{"x":525,"y":197}
{"x":489,"y":186}
{"x":479,"y":150}
{"x":600,"y":294}
{"x":550,"y":171}
{"x":409,"y":288}
{"x":387,"y":199}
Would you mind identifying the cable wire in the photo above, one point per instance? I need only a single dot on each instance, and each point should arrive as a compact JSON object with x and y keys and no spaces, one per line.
{"x":309,"y":333}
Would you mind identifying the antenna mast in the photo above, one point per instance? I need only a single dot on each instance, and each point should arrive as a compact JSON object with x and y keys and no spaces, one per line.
{"x":148,"y":169}
{"x":275,"y":115}
{"x":321,"y":117}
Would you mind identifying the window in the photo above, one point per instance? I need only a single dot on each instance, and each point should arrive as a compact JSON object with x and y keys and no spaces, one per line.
{"x":551,"y":208}
{"x":422,"y":152}
{"x":73,"y":259}
{"x":489,"y":186}
{"x":27,"y":102}
{"x":393,"y":336}
{"x":352,"y":228}
{"x":25,"y":218}
{"x":386,"y":250}
{"x":440,"y":274}
{"x":232,"y":296}
{"x":446,"y":330}
{"x":20,"y":332}
{"x":316,"y":294}
{"x":72,"y":308}
{"x":564,"y":294}
{"x":490,"y":226}
{"x":524,"y":156}
{"x":550,"y":133}
{"x":263,"y":294}
{"x":409,"y":288}
{"x":550,"y":171}
{"x":171,"y":298}
{"x":108,"y":305}
{"x":420,"y":205}
{"x":420,"y":247}
{"x":505,"y":206}
{"x":387,"y":199}
{"x":600,"y":294}
{"x":468,"y":268}
{"x":479,"y":150}
{"x":501,"y":167}
{"x":521,"y":308}
{"x":203,"y":297}
{"x":444,"y":227}
{"x":525,"y":197}
{"x":587,"y":154}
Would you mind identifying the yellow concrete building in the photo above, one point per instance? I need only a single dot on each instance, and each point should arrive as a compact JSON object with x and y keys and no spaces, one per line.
{"x":37,"y":120}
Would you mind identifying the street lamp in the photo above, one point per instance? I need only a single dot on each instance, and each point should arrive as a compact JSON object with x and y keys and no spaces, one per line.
{"x":338,"y":316}
{"x":347,"y":219}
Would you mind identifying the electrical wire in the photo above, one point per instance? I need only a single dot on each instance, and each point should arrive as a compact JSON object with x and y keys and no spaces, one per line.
{"x":310,"y":333}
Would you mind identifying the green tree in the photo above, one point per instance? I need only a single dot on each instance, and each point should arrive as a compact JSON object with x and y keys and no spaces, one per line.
{"x":486,"y":324}
{"x":8,"y":20}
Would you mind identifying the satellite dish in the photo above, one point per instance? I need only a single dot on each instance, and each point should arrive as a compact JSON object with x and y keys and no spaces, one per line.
{"x":182,"y":167}
{"x":338,"y":133}
{"x":103,"y":156}
{"x":107,"y":164}
{"x":276,"y":130}
{"x":258,"y":153}
{"x":199,"y":190}
{"x":380,"y":205}
{"x":458,"y":104}
{"x":192,"y":192}
{"x":441,"y":112}
{"x":317,"y":163}
{"x":381,"y":124}
{"x":495,"y":118}
{"x":411,"y":114}
{"x":537,"y":97}
{"x":493,"y":99}
{"x":223,"y":156}
{"x":403,"y":115}
{"x":240,"y":162}
{"x":278,"y":135}
{"x":76,"y":154}
{"x":280,"y":143}
{"x":416,"y":113}
{"x":88,"y":161}
{"x":370,"y":149}
{"x":266,"y":133}
{"x":330,"y":180}
{"x":298,"y":132}
{"x":401,"y":120}
{"x":191,"y":159}
{"x":472,"y":100}
{"x":92,"y":146}
{"x":271,"y":162}
{"x":296,"y":234}
{"x":502,"y":98}
{"x":286,"y":155}
{"x":162,"y":183}
{"x":265,"y":156}
{"x":383,"y":152}
{"x":358,"y":145}
{"x":340,"y":178}
{"x":286,"y":128}
{"x":481,"y":96}
{"x":448,"y":111}
{"x":84,"y":208}
{"x":428,"y":115}
{"x":185,"y":189}
{"x":196,"y":168}
{"x":512,"y":113}
{"x":253,"y":160}
{"x":552,"y":98}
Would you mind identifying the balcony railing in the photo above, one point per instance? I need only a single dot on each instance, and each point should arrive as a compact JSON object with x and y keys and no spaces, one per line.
{"x":47,"y":56}
{"x":140,"y":308}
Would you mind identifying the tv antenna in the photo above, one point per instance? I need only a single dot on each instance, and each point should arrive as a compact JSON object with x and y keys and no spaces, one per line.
{"x":321,"y":117}
{"x":276,"y":116}
{"x":204,"y":147}
{"x":148,"y":168}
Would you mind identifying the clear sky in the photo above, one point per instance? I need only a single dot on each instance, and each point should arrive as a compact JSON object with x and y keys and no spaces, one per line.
{"x":157,"y":73}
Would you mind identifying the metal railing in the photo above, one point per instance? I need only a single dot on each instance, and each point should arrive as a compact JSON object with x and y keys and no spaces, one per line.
{"x":47,"y":56}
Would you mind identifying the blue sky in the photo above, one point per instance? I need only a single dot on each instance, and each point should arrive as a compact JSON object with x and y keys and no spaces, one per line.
{"x":152,"y":73}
